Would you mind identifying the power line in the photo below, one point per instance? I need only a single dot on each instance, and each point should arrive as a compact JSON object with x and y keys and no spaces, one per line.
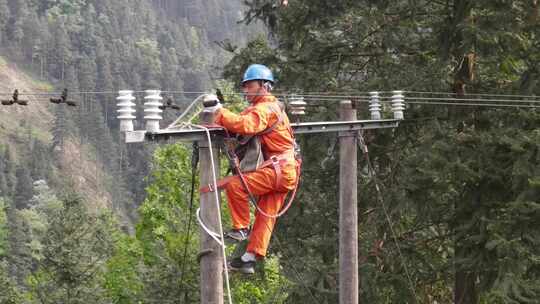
{"x":328,"y":94}
{"x":474,"y":94}
{"x":489,"y":105}
{"x":475,"y":99}
{"x":486,"y":105}
{"x":311,"y":98}
{"x":386,"y":99}
{"x":306,"y":95}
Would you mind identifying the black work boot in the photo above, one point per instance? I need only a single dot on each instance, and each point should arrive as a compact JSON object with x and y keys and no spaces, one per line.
{"x":237,"y":264}
{"x":238,"y":235}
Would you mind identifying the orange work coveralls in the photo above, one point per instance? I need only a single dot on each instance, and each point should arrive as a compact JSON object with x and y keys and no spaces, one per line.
{"x":262,"y":114}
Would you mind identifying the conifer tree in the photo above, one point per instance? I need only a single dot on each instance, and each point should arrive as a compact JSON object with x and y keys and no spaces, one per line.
{"x":73,"y":115}
{"x":36,"y":35}
{"x":40,"y":160}
{"x":87,"y":82}
{"x":9,"y":172}
{"x":10,"y":293}
{"x":4,"y":18}
{"x":457,"y":178}
{"x":87,"y":41}
{"x":18,"y":13}
{"x":3,"y":179}
{"x":76,"y":247}
{"x":59,"y":129}
{"x":3,"y":230}
{"x":23,"y":188}
{"x":87,"y":71}
{"x":104,"y":74}
{"x":62,"y":49}
{"x":169,"y":72}
{"x":104,"y":82}
{"x":19,"y":257}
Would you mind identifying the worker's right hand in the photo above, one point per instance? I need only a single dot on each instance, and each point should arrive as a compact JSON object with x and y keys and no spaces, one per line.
{"x":211,"y":103}
{"x":213,"y":109}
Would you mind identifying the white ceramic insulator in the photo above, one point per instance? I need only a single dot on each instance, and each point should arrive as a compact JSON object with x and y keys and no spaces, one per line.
{"x":297,"y":105}
{"x":152,"y":112}
{"x":398,"y":104}
{"x":375,"y":105}
{"x":126,"y":110}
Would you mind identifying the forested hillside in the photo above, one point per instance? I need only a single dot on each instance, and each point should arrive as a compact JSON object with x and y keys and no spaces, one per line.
{"x":104,"y":46}
{"x":51,"y":154}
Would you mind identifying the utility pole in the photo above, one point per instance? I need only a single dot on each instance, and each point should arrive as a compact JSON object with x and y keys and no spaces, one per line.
{"x":348,"y":213}
{"x":211,"y":252}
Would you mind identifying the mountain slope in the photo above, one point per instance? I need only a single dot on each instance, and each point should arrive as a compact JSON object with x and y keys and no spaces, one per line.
{"x":20,"y":126}
{"x":37,"y":115}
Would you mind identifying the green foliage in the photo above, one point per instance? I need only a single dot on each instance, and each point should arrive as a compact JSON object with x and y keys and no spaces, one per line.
{"x":23,"y":188}
{"x":4,"y":17}
{"x":268,"y":285}
{"x":233,"y":101}
{"x":123,"y":278}
{"x":162,"y":229}
{"x":19,"y":257}
{"x":167,"y":194}
{"x":76,"y":246}
{"x":462,"y":188}
{"x":3,"y":229}
{"x":36,"y":226}
{"x":35,"y":218}
{"x":256,"y":50}
{"x":96,"y":45}
{"x":469,"y":184}
{"x":59,"y":129}
{"x":153,"y":265}
{"x":454,"y":183}
{"x":7,"y":178}
{"x":40,"y":162}
{"x":10,"y":294}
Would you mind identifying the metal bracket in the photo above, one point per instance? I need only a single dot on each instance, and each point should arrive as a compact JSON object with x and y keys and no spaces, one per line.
{"x":298,"y":128}
{"x":203,"y":253}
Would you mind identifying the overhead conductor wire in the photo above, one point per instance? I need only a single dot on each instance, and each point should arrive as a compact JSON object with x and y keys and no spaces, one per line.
{"x":507,"y":101}
{"x":342,"y":94}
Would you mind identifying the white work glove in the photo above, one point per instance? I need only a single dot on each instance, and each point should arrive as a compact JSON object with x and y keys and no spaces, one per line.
{"x":213,"y":108}
{"x":211,"y":103}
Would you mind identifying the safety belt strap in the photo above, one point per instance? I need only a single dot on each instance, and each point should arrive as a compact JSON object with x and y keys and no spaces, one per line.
{"x":274,"y":161}
{"x":266,"y":131}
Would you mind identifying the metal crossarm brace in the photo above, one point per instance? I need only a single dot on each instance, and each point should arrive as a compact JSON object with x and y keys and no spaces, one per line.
{"x":298,"y":128}
{"x":338,"y":126}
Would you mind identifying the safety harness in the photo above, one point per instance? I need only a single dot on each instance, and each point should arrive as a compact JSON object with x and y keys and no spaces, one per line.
{"x":248,"y":156}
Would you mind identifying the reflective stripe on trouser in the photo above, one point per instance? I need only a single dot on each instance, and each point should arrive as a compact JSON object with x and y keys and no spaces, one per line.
{"x":261,"y":183}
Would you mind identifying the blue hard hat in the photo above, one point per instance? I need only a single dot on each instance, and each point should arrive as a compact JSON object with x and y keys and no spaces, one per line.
{"x":258,"y":72}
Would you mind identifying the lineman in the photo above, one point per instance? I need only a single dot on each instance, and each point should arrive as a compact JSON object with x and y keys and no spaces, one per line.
{"x":271,"y":181}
